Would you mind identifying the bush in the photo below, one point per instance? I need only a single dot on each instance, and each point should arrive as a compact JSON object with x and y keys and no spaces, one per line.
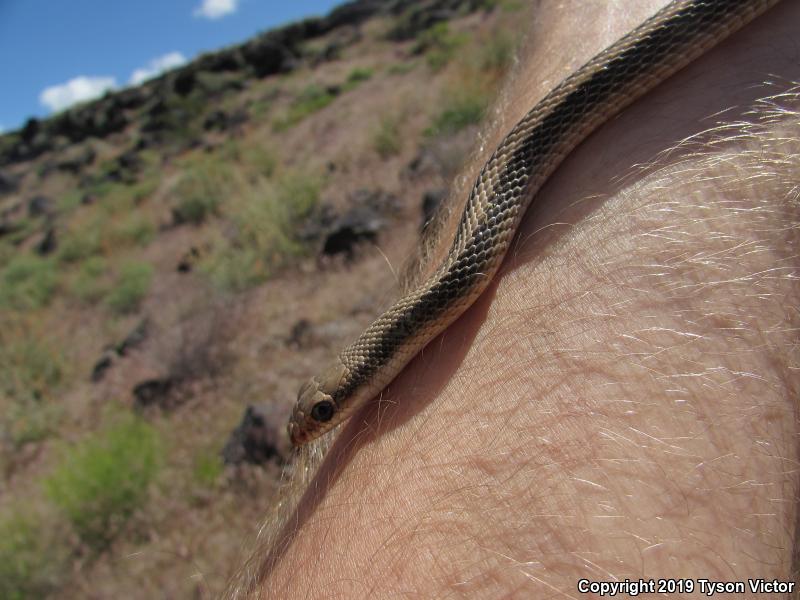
{"x":264,"y":220}
{"x":386,"y":139}
{"x":88,"y":285}
{"x":104,"y":479}
{"x":402,"y":68}
{"x":439,"y":45}
{"x":207,"y":468}
{"x":131,"y":287}
{"x":496,"y":54}
{"x":79,"y":245}
{"x":134,"y":229}
{"x":27,"y":282}
{"x":357,"y":76}
{"x":199,"y":192}
{"x":33,"y":559}
{"x":460,"y":111}
{"x":30,"y":372}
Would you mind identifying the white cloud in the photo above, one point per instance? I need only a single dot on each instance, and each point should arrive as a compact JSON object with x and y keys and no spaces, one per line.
{"x":78,"y":89}
{"x":157,"y":66}
{"x":215,"y":9}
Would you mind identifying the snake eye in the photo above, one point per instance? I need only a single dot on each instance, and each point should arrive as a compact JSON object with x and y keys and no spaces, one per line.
{"x":322,"y":411}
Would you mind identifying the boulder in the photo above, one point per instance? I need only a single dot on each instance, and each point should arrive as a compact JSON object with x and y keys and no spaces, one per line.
{"x":48,"y":243}
{"x":358,"y":225}
{"x":40,"y":206}
{"x":152,"y":392}
{"x":257,"y":439}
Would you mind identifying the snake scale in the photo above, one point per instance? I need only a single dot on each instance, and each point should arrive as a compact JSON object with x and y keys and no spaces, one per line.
{"x":503,"y":191}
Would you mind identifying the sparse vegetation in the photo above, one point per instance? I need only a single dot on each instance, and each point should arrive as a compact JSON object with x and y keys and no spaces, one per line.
{"x":357,"y":76}
{"x":27,"y":282}
{"x":198,"y":195}
{"x":313,"y":98}
{"x":439,"y":44}
{"x":474,"y":84}
{"x":77,"y":245}
{"x":33,"y":559}
{"x":207,"y":468}
{"x":459,"y":111}
{"x":134,"y":229}
{"x":104,"y":479}
{"x":264,"y":218}
{"x":31,"y":370}
{"x":386,"y":138}
{"x":89,"y":284}
{"x":130,"y":288}
{"x":402,"y":68}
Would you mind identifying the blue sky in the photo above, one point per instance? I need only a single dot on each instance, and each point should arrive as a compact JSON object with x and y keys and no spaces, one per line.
{"x":54,"y":52}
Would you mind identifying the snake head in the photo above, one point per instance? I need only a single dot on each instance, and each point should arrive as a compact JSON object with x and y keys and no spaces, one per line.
{"x":316,"y":410}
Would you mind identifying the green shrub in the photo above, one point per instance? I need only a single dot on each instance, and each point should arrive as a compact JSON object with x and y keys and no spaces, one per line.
{"x":76,"y":246}
{"x":30,"y":368}
{"x":134,"y":229}
{"x":69,"y":201}
{"x":310,"y":100}
{"x":497,"y":53}
{"x":27,"y":282}
{"x":207,"y":468}
{"x":101,"y":481}
{"x":386,"y":139}
{"x":263,"y":219}
{"x":33,"y":558}
{"x":131,"y":287}
{"x":357,"y":76}
{"x":460,"y":111}
{"x":236,"y":269}
{"x":30,"y":374}
{"x":201,"y":189}
{"x":89,"y":284}
{"x":402,"y":68}
{"x":439,"y":45}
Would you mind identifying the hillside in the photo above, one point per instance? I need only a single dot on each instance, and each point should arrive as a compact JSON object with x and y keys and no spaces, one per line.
{"x":176,"y":258}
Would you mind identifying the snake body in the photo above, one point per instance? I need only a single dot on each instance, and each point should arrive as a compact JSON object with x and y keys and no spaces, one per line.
{"x":505,"y":187}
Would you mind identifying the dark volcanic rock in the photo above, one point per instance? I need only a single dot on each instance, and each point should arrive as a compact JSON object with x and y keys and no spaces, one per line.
{"x":8,"y":184}
{"x":223,"y":121}
{"x":301,"y":336}
{"x":257,"y":439}
{"x":152,"y":392}
{"x":40,"y":206}
{"x":76,"y":159}
{"x":8,"y":227}
{"x":30,"y":130}
{"x":184,"y":81}
{"x":224,"y":60}
{"x":102,"y":366}
{"x":358,"y":225}
{"x":134,"y":339}
{"x":188,"y":260}
{"x":268,"y":56}
{"x":48,"y":243}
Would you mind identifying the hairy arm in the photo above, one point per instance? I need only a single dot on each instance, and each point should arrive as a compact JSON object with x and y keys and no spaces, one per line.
{"x":621,"y":403}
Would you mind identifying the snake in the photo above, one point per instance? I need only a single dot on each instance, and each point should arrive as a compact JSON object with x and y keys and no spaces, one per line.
{"x":504,"y":189}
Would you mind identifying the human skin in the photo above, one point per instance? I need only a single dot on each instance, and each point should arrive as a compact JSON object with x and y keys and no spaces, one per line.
{"x":621,"y":402}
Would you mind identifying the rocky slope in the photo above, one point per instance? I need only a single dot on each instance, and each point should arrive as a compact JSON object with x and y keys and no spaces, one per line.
{"x":176,"y":258}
